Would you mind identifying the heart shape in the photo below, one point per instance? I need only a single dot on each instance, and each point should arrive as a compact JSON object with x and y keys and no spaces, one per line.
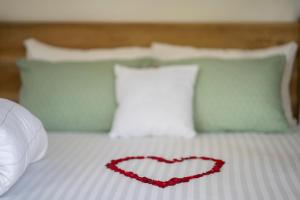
{"x":218,"y":164}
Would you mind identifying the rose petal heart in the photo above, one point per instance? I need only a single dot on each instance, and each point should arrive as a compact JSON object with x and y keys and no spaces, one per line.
{"x":113,"y":165}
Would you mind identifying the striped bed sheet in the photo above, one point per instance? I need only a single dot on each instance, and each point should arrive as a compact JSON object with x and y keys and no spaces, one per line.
{"x":258,"y":166}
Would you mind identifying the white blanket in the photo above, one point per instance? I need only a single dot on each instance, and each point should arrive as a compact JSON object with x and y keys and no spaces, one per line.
{"x":258,"y":166}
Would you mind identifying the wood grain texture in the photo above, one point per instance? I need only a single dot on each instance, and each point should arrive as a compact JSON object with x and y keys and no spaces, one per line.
{"x":106,"y":35}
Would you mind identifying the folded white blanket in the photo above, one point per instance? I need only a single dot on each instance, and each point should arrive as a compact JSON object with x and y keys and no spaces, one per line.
{"x":23,"y":140}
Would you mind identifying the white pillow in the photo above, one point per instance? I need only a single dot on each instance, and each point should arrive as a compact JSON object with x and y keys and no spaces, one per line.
{"x":173,"y":52}
{"x":155,"y":101}
{"x":23,"y":140}
{"x":42,"y":51}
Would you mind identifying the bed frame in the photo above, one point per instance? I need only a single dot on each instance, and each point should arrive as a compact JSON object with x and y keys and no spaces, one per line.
{"x":92,"y":35}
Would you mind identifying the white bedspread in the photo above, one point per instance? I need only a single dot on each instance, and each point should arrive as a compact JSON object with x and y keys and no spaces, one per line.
{"x":257,"y":166}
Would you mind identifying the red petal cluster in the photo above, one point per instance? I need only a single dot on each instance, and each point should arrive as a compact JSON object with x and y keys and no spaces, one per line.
{"x":173,"y":181}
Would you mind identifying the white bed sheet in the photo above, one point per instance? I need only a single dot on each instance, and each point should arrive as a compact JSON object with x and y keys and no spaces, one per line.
{"x":258,"y":166}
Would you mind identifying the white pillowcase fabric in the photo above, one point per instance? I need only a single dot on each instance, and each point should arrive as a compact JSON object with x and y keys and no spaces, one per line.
{"x":174,"y":52}
{"x":155,"y":101}
{"x":23,"y":140}
{"x":42,"y":51}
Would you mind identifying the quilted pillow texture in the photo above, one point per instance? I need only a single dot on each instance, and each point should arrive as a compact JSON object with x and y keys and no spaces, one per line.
{"x":238,"y":94}
{"x":23,"y":140}
{"x":72,"y":96}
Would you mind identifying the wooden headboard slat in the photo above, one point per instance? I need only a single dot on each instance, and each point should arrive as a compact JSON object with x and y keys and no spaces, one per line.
{"x":106,"y":35}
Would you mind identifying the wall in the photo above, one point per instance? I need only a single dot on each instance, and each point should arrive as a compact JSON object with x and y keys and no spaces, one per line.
{"x":150,"y":10}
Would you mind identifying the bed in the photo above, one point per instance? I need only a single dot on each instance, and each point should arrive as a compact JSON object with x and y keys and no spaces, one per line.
{"x":257,"y":166}
{"x":74,"y":168}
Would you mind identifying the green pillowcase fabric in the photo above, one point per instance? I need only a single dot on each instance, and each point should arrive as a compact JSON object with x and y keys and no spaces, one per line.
{"x":72,"y":96}
{"x":238,"y":94}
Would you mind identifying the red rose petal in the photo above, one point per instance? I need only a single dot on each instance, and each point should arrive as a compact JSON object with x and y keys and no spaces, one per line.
{"x":171,"y":182}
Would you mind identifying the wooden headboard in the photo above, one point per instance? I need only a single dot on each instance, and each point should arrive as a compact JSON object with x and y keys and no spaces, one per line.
{"x":93,"y":35}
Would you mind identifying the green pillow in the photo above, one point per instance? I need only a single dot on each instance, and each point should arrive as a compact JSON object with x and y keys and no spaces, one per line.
{"x":72,"y":96}
{"x":238,"y":94}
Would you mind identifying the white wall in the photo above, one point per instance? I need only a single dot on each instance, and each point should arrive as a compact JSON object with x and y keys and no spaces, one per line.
{"x":150,"y":10}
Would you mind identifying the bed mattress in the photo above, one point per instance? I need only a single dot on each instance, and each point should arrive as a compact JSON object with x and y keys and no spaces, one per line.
{"x":257,"y":166}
